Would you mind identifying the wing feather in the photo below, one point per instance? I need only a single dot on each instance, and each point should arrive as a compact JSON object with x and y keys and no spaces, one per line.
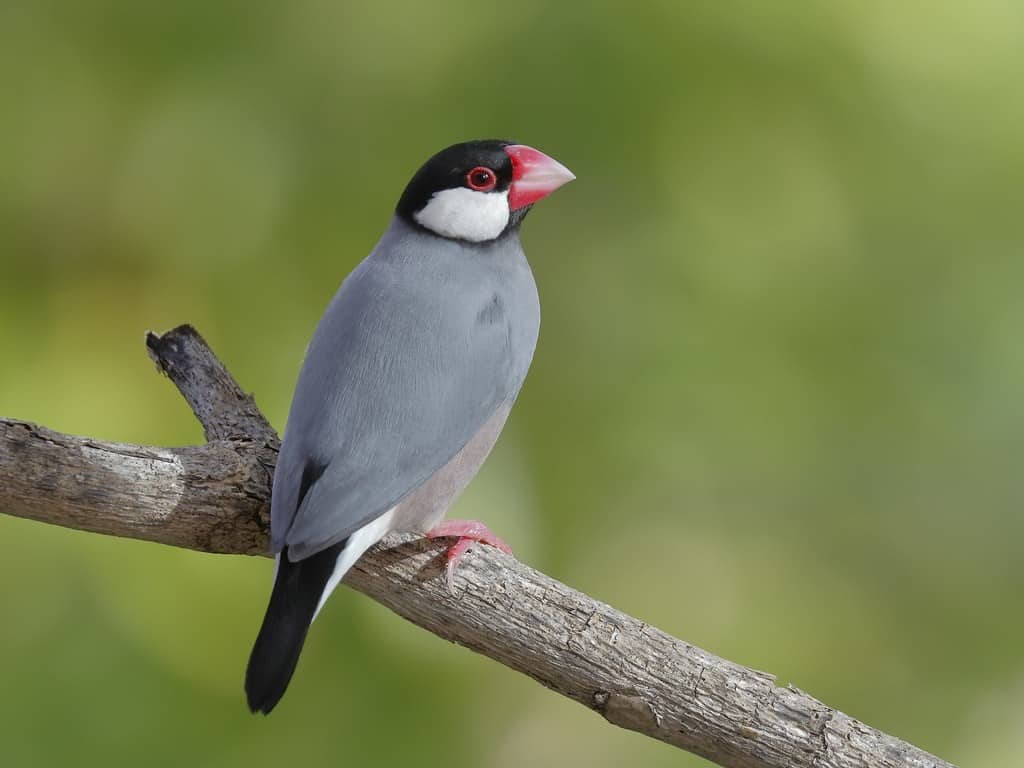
{"x":412,"y":357}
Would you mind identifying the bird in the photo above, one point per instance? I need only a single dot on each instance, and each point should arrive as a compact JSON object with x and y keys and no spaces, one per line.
{"x":405,"y":387}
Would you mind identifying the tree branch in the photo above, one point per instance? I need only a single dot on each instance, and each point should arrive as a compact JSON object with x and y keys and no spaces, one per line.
{"x":215,"y":498}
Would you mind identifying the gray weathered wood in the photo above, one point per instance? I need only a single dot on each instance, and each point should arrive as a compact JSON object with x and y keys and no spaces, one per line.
{"x":215,"y":498}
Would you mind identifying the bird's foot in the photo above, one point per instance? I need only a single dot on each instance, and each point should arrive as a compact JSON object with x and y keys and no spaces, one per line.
{"x":467,"y":532}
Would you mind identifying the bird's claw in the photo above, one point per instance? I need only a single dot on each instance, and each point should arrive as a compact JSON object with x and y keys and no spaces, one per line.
{"x":466,"y":532}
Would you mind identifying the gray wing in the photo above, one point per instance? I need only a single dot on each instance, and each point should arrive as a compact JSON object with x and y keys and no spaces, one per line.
{"x":409,"y":361}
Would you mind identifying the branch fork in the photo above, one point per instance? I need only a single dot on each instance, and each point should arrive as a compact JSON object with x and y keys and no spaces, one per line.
{"x":216,"y":498}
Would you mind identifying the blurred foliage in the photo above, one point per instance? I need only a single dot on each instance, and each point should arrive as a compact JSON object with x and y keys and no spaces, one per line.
{"x":775,"y":409}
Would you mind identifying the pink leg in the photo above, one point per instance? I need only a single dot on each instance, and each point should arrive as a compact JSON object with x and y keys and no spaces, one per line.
{"x":467,"y":532}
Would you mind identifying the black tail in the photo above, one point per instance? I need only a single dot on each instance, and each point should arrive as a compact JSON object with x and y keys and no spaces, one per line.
{"x":297,"y":590}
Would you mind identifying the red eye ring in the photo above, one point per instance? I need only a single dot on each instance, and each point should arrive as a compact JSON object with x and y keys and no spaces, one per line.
{"x":481,"y":179}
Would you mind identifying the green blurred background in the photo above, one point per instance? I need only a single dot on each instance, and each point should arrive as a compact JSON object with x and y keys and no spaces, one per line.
{"x":775,"y":408}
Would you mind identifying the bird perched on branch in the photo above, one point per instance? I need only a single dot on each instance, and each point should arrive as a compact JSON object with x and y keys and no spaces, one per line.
{"x":405,"y":387}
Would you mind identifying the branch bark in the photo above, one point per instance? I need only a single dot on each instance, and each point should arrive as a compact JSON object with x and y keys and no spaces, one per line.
{"x":215,"y":498}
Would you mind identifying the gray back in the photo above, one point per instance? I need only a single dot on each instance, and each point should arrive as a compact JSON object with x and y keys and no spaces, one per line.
{"x":420,"y":345}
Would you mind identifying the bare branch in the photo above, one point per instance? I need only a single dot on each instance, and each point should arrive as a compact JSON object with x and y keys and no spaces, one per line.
{"x":212,"y":497}
{"x":215,"y":498}
{"x":224,"y":410}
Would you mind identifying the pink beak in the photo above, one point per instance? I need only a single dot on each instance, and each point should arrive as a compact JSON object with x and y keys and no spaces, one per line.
{"x":534,"y":175}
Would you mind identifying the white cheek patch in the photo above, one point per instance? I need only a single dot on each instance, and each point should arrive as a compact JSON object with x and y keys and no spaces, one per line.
{"x":464,"y":214}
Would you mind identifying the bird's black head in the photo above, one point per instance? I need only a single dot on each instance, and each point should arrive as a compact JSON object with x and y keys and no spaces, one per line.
{"x":478,"y":190}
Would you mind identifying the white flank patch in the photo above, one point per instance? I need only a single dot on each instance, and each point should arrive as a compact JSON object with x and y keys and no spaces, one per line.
{"x":464,"y":214}
{"x":358,"y":542}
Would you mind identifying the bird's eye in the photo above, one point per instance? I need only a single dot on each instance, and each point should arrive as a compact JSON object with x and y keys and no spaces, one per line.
{"x":481,"y":179}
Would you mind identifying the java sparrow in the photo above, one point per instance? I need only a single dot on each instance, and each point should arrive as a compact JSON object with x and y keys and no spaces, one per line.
{"x":405,"y":386}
